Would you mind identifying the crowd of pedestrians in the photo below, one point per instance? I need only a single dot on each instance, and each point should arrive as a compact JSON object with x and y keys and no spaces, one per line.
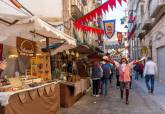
{"x":103,"y":71}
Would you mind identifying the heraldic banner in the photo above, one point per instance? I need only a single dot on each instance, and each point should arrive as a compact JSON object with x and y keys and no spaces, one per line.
{"x":109,"y":28}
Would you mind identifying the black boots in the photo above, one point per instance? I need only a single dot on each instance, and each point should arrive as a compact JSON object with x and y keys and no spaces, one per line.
{"x":127,"y":95}
{"x":121,"y":93}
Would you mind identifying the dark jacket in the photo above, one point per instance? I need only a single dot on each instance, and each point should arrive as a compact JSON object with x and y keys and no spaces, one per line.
{"x":96,"y":72}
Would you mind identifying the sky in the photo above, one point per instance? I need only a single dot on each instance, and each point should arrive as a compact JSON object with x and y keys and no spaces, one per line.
{"x":117,"y":14}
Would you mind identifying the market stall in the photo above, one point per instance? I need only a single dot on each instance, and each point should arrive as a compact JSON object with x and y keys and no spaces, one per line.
{"x":26,"y":84}
{"x":72,"y":85}
{"x":44,"y":99}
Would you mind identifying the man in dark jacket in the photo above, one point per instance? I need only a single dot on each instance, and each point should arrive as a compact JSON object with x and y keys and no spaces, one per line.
{"x":137,"y":70}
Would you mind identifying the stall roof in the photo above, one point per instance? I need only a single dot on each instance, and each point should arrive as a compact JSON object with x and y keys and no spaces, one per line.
{"x":27,"y":27}
{"x":83,"y":49}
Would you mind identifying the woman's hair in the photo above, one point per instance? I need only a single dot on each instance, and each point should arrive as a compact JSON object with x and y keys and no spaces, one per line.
{"x":123,"y":59}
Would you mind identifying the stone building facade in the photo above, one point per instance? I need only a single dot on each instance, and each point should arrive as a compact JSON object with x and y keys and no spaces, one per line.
{"x":72,"y":10}
{"x":150,"y":30}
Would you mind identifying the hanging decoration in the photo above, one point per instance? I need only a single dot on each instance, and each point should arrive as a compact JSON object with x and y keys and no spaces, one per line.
{"x":99,"y":11}
{"x":132,"y":16}
{"x":119,"y":37}
{"x":109,"y":28}
{"x":89,"y":29}
{"x":91,"y":16}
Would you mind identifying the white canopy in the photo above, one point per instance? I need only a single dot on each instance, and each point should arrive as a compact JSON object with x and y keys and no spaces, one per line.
{"x":25,"y":28}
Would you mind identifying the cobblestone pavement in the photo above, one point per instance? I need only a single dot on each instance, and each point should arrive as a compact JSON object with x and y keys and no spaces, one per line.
{"x":140,"y":103}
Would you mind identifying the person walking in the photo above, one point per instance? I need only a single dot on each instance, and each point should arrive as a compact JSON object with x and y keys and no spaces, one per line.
{"x":106,"y":75}
{"x":141,"y":69}
{"x":117,"y":78}
{"x":150,"y":71}
{"x":97,"y":73}
{"x":137,"y":70}
{"x":124,"y":76}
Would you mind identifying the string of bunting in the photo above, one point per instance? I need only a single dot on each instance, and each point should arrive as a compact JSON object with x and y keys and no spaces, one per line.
{"x":93,"y":14}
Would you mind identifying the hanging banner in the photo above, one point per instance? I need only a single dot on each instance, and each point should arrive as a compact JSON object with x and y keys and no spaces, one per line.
{"x":119,"y":37}
{"x":1,"y":51}
{"x":25,"y":47}
{"x":109,"y":28}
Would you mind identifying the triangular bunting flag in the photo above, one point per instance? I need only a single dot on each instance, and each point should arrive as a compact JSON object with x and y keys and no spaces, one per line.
{"x":120,"y":2}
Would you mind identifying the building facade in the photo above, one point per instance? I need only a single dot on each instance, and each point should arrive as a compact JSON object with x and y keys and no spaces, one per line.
{"x":74,"y":9}
{"x":150,"y":31}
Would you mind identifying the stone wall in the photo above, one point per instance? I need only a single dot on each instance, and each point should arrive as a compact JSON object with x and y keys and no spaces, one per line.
{"x":157,"y":35}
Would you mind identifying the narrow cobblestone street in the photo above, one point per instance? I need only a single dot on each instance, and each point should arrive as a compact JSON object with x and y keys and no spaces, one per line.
{"x":140,"y":103}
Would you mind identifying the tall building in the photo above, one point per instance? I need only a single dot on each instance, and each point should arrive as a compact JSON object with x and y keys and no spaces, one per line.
{"x":74,"y":9}
{"x":149,"y":29}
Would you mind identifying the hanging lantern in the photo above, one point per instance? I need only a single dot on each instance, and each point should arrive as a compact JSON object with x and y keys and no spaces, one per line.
{"x":67,"y":52}
{"x":77,"y":55}
{"x":12,"y":53}
{"x":72,"y":53}
{"x":38,"y":50}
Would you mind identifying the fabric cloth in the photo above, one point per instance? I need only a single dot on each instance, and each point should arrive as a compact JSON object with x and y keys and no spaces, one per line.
{"x":151,"y":79}
{"x":150,"y":68}
{"x":45,"y":104}
{"x":96,"y":84}
{"x":5,"y":96}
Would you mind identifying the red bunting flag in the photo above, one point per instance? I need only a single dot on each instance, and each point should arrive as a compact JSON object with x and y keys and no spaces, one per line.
{"x":80,"y":23}
{"x":120,"y":2}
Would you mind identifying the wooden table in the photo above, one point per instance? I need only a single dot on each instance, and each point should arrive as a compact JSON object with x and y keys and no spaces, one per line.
{"x":38,"y":100}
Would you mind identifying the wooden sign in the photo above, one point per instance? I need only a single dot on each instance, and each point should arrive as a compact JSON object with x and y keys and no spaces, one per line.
{"x":25,"y":47}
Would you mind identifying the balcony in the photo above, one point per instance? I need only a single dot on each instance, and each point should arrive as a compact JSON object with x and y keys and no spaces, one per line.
{"x":156,"y":7}
{"x":75,"y":12}
{"x":147,"y":22}
{"x":147,"y":25}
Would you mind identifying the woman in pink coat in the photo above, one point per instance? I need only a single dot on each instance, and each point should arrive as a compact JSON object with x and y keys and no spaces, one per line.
{"x":124,"y":76}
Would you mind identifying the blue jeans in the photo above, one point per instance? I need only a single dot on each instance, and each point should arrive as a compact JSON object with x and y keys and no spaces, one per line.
{"x":105,"y":86}
{"x":136,"y":75}
{"x":147,"y":79}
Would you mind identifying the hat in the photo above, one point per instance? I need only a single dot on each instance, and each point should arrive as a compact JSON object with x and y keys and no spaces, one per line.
{"x":105,"y":58}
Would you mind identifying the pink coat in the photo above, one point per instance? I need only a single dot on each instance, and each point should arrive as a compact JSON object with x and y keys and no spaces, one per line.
{"x":124,"y":76}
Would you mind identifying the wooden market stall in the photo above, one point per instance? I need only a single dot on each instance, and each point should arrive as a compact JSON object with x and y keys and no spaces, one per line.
{"x":26,"y":85}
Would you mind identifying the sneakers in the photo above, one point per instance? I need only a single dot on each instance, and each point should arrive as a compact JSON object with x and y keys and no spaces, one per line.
{"x":94,"y":95}
{"x":97,"y":95}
